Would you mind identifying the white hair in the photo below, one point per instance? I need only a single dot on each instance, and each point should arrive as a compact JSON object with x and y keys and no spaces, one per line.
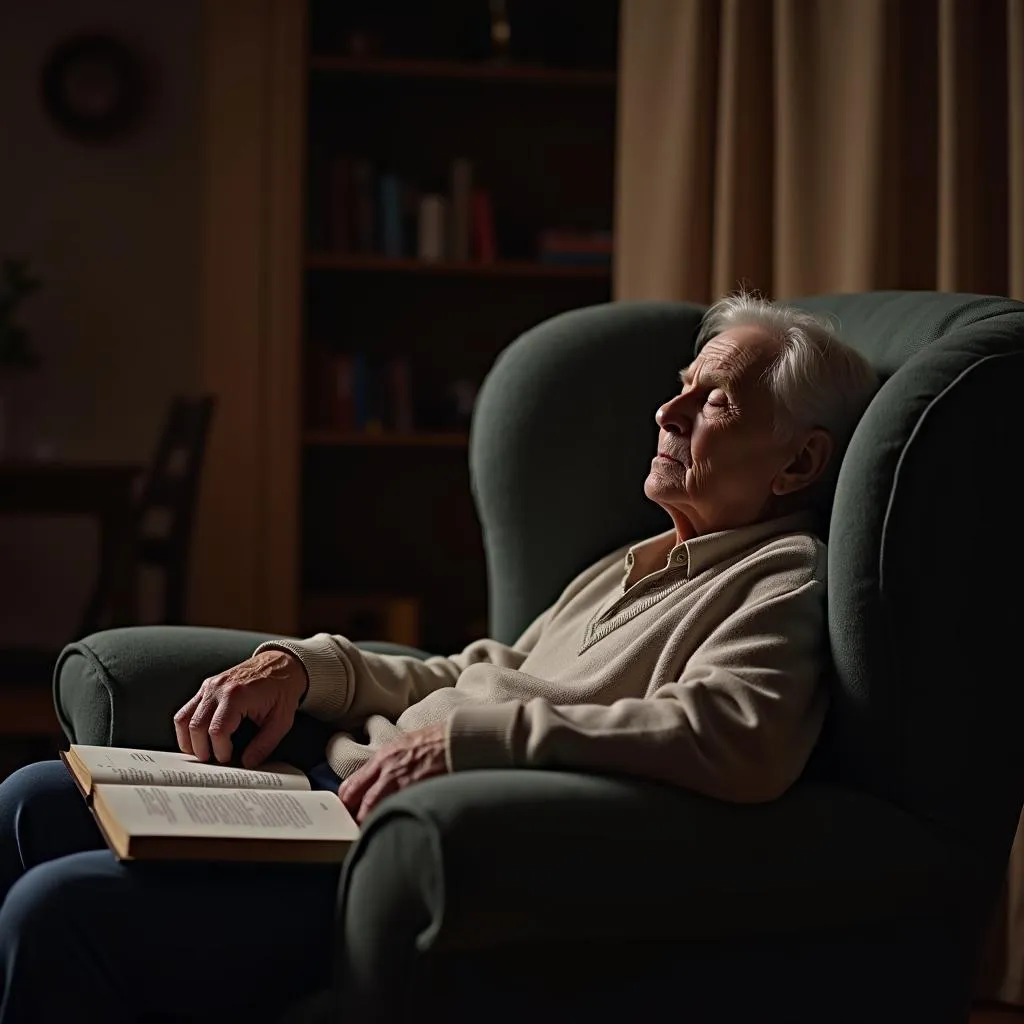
{"x":817,"y":380}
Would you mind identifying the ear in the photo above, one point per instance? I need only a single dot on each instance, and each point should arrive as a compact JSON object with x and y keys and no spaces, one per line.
{"x":807,"y":464}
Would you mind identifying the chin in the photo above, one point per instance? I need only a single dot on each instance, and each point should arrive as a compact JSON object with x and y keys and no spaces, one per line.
{"x":659,"y":490}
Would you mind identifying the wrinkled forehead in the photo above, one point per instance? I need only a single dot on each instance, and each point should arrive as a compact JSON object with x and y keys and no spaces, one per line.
{"x":739,"y":356}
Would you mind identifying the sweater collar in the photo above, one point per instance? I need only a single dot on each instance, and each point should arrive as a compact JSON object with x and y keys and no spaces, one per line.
{"x":700,"y":553}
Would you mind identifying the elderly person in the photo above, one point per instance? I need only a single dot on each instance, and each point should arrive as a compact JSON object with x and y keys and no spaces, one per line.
{"x":693,"y":658}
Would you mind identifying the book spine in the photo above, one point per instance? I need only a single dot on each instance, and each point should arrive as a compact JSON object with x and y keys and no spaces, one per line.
{"x":410,"y":216}
{"x":364,"y":217}
{"x":391,"y":215}
{"x":360,"y":392}
{"x":343,"y":415}
{"x":433,"y":213}
{"x":461,"y":198}
{"x":484,"y":247}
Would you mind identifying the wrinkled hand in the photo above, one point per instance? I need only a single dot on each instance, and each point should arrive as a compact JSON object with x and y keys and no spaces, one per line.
{"x":416,"y":756}
{"x":266,"y":689}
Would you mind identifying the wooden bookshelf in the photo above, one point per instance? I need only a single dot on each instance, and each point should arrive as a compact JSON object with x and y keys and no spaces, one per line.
{"x":462,"y":71}
{"x":371,"y":439}
{"x":407,"y":341}
{"x":500,"y":268}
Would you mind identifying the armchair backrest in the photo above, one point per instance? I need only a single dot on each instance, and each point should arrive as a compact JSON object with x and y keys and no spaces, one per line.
{"x":561,"y":442}
{"x":926,"y":553}
{"x":926,"y":558}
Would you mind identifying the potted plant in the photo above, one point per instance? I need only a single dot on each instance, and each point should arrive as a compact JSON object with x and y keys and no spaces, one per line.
{"x":17,"y":356}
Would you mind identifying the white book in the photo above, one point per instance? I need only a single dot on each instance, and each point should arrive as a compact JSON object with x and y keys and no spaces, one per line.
{"x":433,"y":215}
{"x":162,"y":805}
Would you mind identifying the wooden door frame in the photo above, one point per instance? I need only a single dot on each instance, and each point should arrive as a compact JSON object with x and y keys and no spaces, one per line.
{"x":246,"y":554}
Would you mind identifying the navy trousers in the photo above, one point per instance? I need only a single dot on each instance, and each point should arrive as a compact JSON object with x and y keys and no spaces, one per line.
{"x":85,"y":937}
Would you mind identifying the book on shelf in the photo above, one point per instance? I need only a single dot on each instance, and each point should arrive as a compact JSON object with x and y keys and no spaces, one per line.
{"x":351,"y":205}
{"x":364,"y":207}
{"x":162,"y":805}
{"x":390,"y":189}
{"x":432,"y":228}
{"x":484,"y":246}
{"x":365,"y":413}
{"x":461,"y":200}
{"x":356,"y":391}
{"x":575,"y":248}
{"x":377,"y":211}
{"x":330,"y":389}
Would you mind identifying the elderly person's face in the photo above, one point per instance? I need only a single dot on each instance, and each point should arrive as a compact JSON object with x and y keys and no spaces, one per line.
{"x":721,"y":463}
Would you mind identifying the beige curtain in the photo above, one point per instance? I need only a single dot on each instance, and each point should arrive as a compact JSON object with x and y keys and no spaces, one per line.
{"x":804,"y":146}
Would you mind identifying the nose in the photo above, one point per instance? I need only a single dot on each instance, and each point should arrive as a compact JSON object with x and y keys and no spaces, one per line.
{"x":676,"y":415}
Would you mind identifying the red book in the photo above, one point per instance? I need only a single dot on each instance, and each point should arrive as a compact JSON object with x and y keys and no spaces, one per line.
{"x":482,"y":221}
{"x":343,"y":414}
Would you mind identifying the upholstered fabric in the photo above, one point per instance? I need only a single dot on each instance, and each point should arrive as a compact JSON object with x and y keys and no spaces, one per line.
{"x":121,"y":687}
{"x":561,"y":443}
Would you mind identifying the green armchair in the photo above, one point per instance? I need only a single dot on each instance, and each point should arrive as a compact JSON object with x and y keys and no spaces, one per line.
{"x":861,"y":895}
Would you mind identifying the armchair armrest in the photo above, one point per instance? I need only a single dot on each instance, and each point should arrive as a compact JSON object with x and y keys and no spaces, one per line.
{"x":121,"y":687}
{"x":514,"y":857}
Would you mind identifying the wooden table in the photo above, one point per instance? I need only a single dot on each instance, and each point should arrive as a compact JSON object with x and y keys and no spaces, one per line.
{"x":104,"y":491}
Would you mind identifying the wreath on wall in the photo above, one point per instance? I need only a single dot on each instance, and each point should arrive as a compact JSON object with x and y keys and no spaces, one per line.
{"x":95,"y":88}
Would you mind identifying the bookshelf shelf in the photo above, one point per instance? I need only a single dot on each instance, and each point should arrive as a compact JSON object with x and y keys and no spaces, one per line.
{"x":461,"y":71}
{"x":354,"y":439}
{"x":501,"y":268}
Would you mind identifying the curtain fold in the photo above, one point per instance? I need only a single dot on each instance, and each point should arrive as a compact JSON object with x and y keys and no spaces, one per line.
{"x":804,"y":146}
{"x":665,"y":138}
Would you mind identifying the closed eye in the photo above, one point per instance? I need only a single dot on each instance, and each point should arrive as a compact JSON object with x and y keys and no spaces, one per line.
{"x":718,"y":398}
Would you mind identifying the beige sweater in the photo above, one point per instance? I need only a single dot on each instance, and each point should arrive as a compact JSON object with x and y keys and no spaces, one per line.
{"x":697,"y":664}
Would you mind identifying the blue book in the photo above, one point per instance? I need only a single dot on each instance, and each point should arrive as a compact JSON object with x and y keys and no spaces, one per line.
{"x":391,"y":215}
{"x":360,"y":391}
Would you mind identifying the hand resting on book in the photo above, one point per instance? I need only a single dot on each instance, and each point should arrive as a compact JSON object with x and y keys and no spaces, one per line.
{"x":266,"y":689}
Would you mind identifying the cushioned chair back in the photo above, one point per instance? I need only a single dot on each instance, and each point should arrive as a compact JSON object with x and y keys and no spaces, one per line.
{"x":562,"y":439}
{"x":925,"y":562}
{"x":925,"y":551}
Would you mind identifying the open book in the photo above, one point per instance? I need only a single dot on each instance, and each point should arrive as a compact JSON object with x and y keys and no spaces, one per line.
{"x":158,"y":805}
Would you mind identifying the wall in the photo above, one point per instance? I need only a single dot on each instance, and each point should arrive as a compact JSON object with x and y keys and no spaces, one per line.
{"x":114,"y":231}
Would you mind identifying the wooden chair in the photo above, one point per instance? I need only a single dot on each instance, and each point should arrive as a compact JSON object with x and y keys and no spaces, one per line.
{"x":167,"y":497}
{"x":166,"y":510}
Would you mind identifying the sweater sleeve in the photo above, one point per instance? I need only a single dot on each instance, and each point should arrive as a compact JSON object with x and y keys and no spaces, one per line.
{"x":739,"y":724}
{"x":348,"y":684}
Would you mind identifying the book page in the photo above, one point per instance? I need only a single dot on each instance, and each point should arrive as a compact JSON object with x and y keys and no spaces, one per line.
{"x":228,"y":814}
{"x":111,"y":765}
